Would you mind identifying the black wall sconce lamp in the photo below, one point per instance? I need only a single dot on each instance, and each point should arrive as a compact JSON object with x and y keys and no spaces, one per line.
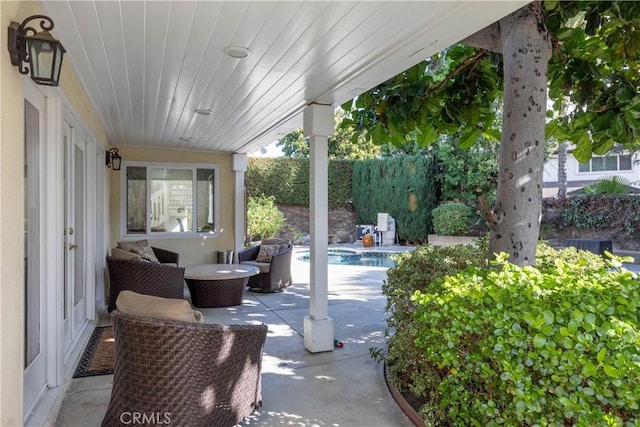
{"x":40,"y":50}
{"x":113,"y":159}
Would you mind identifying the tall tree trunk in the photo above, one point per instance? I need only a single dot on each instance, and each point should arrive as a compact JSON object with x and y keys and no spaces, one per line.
{"x":562,"y":170}
{"x":526,"y":51}
{"x":562,"y":155}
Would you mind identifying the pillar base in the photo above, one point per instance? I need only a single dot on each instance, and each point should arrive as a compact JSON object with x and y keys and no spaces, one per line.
{"x":318,"y":334}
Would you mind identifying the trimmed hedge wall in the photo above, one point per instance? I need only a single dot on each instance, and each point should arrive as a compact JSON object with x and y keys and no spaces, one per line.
{"x":405,"y":187}
{"x":288,"y":181}
{"x":602,"y":212}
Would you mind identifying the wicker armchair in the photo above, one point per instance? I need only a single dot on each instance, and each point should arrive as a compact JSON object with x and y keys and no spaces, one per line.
{"x":161,"y":280}
{"x":188,"y":374}
{"x":275,"y":275}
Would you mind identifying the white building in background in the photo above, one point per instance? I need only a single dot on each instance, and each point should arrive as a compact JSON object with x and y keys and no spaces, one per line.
{"x":625,"y":165}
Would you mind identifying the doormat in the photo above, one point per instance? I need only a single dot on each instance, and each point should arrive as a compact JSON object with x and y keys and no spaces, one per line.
{"x":99,"y":355}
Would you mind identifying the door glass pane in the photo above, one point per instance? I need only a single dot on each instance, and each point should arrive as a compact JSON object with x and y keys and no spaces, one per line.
{"x":171,"y":199}
{"x":136,"y":200}
{"x":65,"y":291}
{"x":79,"y":214}
{"x":31,"y":261}
{"x":205,"y":189}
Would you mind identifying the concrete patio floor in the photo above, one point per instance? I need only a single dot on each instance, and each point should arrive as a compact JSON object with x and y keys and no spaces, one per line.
{"x":344,"y":387}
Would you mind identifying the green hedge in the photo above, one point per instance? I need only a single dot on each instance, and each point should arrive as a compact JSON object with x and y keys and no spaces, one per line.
{"x":287,"y":180}
{"x":601,"y":212}
{"x":404,"y":187}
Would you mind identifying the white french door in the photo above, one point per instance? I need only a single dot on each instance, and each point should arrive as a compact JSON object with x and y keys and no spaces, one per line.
{"x":75,"y":246}
{"x":35,"y":349}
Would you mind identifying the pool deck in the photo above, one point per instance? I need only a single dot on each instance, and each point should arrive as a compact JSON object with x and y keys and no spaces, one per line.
{"x":358,"y":247}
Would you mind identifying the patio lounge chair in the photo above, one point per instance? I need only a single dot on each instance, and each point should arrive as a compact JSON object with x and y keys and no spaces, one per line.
{"x":183,"y":373}
{"x":164,"y":279}
{"x":275,"y":267}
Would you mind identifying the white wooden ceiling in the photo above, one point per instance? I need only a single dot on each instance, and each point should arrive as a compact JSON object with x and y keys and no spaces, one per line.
{"x":148,"y":65}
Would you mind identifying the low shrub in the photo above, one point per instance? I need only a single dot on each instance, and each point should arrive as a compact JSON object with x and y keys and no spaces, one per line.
{"x":557,"y":344}
{"x":263,"y":218}
{"x":419,"y":270}
{"x":452,"y":218}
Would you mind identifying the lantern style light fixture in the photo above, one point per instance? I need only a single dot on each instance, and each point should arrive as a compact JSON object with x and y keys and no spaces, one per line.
{"x":114,"y":159}
{"x":40,"y":50}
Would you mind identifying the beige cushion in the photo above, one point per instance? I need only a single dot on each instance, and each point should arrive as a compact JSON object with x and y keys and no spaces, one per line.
{"x":266,"y":252}
{"x":147,"y":253}
{"x":262,"y":266}
{"x":281,"y":243}
{"x":136,"y":304}
{"x":130,"y":246}
{"x":122,"y":254}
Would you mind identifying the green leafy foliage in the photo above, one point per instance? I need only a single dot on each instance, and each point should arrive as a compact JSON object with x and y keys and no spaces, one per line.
{"x":592,"y":78}
{"x":608,"y":186}
{"x":287,"y":180}
{"x":402,"y":186}
{"x":343,"y":145}
{"x":556,"y":344}
{"x":620,"y":213}
{"x":596,"y":51}
{"x":263,"y":218}
{"x":419,"y":270}
{"x":467,"y":173}
{"x":452,"y":218}
{"x":453,"y":92}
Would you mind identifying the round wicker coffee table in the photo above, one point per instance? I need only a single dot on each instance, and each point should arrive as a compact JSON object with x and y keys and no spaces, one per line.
{"x":218,"y":285}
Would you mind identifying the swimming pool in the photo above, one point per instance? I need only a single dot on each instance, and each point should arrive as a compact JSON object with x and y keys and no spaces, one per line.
{"x":356,"y":258}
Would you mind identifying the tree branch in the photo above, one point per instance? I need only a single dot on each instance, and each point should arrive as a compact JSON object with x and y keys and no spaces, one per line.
{"x":459,"y":68}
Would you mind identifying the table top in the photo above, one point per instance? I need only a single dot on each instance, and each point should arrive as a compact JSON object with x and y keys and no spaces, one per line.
{"x":220,"y":271}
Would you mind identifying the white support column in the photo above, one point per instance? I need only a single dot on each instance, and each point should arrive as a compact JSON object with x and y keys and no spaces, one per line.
{"x":318,"y":326}
{"x":239,"y":218}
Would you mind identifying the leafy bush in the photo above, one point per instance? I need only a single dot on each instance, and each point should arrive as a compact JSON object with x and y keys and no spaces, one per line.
{"x":420,"y":270}
{"x":263,"y":218}
{"x":452,"y":219}
{"x":557,"y":344}
{"x":467,"y":172}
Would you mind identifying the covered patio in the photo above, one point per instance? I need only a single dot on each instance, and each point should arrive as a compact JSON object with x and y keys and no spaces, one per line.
{"x":345,"y":387}
{"x":171,"y":87}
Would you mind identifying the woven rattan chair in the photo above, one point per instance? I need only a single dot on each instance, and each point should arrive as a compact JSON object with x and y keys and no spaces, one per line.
{"x":274,"y":276}
{"x":188,"y":374}
{"x":161,"y":280}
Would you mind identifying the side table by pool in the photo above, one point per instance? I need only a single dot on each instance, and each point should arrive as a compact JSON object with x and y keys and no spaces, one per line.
{"x":218,"y":285}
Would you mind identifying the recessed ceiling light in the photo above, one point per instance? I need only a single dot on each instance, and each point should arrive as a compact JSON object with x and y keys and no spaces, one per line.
{"x":238,"y":52}
{"x":203,"y":111}
{"x":185,"y":139}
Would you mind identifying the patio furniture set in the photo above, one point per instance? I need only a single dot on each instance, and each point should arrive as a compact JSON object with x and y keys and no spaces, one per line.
{"x":150,"y":270}
{"x":170,"y":367}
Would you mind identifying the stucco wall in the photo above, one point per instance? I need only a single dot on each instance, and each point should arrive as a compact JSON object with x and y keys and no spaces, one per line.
{"x":192,"y":250}
{"x":11,"y":206}
{"x":11,"y":224}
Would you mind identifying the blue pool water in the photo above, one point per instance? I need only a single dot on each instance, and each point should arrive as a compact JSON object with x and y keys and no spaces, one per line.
{"x":351,"y":257}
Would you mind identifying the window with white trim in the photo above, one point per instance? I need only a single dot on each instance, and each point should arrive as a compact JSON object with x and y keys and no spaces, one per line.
{"x":614,"y":162}
{"x":169,"y":199}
